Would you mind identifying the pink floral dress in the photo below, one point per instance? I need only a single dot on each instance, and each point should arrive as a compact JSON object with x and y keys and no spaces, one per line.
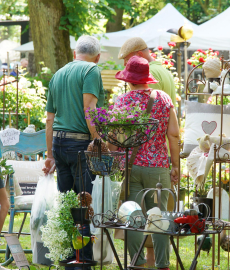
{"x":153,"y":153}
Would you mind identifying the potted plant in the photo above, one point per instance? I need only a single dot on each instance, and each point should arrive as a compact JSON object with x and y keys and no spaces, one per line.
{"x":123,"y":126}
{"x":57,"y":232}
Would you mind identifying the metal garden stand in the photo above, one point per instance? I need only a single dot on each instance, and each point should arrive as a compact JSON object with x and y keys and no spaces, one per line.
{"x":103,"y":163}
{"x":125,"y":136}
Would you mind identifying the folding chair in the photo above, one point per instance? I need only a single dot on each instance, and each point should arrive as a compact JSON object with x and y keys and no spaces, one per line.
{"x":24,"y":179}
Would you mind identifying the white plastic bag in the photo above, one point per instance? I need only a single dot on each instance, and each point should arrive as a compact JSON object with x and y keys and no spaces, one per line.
{"x":107,"y":256}
{"x":43,"y":200}
{"x":111,"y":198}
{"x":97,"y":199}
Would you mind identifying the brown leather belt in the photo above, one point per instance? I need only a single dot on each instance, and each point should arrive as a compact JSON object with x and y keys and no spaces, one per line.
{"x":70,"y":135}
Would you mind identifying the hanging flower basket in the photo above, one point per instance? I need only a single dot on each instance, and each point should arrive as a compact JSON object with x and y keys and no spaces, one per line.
{"x":107,"y":163}
{"x":128,"y":135}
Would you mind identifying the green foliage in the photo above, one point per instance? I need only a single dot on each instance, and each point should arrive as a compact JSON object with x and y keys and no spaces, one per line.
{"x":31,"y":99}
{"x":12,"y":8}
{"x":81,"y":16}
{"x":7,"y":169}
{"x":199,"y":11}
{"x":45,"y":75}
{"x":110,"y":65}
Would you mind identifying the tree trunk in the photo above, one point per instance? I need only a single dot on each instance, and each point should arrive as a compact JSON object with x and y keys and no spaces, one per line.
{"x":51,"y":45}
{"x":116,"y":23}
{"x":31,"y":61}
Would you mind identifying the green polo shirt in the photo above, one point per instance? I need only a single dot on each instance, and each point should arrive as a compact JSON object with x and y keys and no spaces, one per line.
{"x":65,"y":96}
{"x":165,"y":80}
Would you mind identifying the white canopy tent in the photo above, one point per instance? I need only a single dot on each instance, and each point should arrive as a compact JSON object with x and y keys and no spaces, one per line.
{"x":29,"y":47}
{"x":214,"y":33}
{"x":151,"y":30}
{"x":154,"y":31}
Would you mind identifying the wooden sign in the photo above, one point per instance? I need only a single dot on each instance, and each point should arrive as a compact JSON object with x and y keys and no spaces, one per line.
{"x":16,"y":250}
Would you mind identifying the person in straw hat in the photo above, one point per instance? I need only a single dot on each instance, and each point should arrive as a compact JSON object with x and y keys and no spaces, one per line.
{"x":137,"y":46}
{"x":151,"y":162}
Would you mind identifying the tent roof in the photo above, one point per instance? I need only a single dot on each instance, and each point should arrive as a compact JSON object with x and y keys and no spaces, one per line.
{"x":214,"y":33}
{"x":29,"y":47}
{"x":167,"y":18}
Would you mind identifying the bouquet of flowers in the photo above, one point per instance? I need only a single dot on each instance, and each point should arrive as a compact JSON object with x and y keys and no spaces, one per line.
{"x":57,"y":233}
{"x":201,"y":56}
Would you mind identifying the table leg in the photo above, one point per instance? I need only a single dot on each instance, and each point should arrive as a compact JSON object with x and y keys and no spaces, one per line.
{"x":194,"y":262}
{"x":113,"y":249}
{"x":176,"y":252}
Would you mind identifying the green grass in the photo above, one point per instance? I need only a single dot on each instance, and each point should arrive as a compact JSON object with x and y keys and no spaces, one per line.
{"x":187,"y":246}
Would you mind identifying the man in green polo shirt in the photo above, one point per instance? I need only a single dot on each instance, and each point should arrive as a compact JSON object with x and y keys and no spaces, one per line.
{"x":72,"y":90}
{"x":137,"y":46}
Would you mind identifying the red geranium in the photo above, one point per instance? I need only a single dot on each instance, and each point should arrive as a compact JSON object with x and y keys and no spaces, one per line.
{"x":153,"y":55}
{"x":160,"y":48}
{"x":172,"y":44}
{"x":210,"y":49}
{"x":199,"y":50}
{"x":189,"y":62}
{"x":201,"y":59}
{"x":170,"y":56}
{"x":172,"y":63}
{"x":166,"y":62}
{"x":217,"y":53}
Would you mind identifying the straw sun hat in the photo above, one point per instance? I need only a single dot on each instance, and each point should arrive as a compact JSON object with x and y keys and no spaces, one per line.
{"x":212,"y":68}
{"x":136,"y":72}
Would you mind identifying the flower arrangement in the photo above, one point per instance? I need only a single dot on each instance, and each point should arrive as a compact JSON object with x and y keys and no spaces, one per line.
{"x":128,"y":115}
{"x":57,"y":233}
{"x":31,"y":99}
{"x":201,"y":56}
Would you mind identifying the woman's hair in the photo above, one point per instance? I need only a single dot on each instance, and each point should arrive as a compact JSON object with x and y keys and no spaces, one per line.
{"x":88,"y":45}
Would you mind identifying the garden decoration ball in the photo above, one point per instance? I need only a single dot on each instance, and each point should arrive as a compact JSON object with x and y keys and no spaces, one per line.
{"x":185,"y":32}
{"x":193,"y":220}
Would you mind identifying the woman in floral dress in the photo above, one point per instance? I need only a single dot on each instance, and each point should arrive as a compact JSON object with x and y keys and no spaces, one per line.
{"x":151,"y":164}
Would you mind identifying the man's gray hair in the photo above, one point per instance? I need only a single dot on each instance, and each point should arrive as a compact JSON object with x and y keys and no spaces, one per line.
{"x":88,"y":45}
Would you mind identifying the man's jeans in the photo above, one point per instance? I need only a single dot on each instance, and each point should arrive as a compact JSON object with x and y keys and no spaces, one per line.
{"x":65,"y":152}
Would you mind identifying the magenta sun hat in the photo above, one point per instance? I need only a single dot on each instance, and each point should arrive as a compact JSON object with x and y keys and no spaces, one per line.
{"x":136,"y":72}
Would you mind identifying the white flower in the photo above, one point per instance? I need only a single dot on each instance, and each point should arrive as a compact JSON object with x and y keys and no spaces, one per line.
{"x":24,"y":82}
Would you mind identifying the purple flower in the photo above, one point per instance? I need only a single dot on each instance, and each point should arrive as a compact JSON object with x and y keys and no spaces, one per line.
{"x":92,"y":123}
{"x":100,"y":119}
{"x":147,"y":131}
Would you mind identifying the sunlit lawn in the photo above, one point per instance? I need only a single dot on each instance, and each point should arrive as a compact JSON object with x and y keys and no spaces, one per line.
{"x":187,"y":245}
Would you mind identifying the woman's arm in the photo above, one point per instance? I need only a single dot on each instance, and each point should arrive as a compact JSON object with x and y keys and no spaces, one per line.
{"x":173,"y":137}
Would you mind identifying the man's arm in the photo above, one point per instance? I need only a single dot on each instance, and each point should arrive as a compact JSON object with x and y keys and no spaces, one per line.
{"x":49,"y":163}
{"x":90,"y":101}
{"x":173,"y":137}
